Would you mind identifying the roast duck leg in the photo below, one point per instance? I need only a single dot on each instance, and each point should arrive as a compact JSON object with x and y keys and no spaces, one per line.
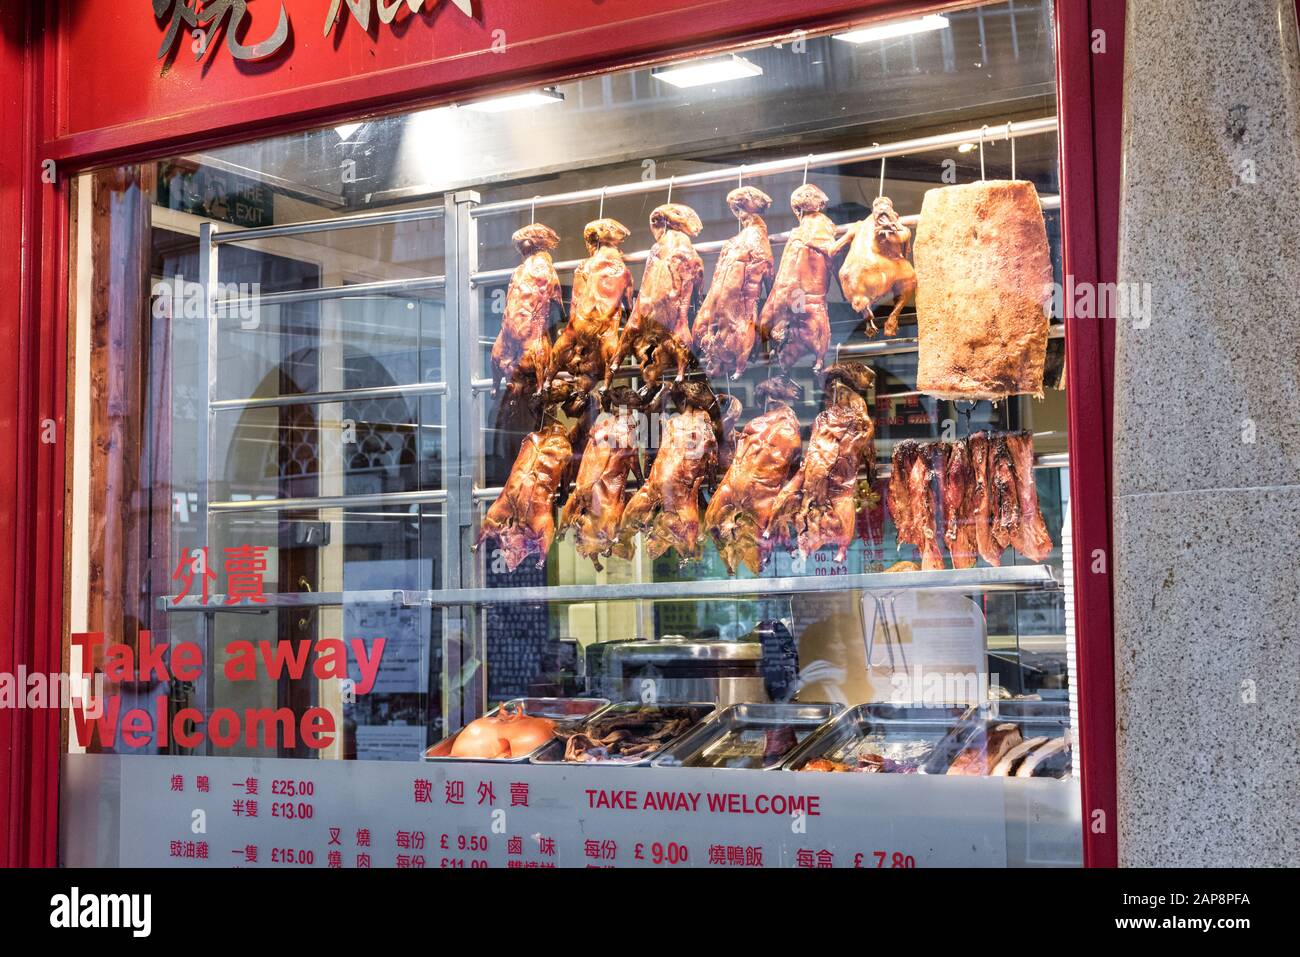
{"x":521,"y":354}
{"x":877,"y":266}
{"x":795,"y":322}
{"x":602,"y":295}
{"x":595,"y":506}
{"x":666,"y":508}
{"x":658,"y":334}
{"x":522,"y":519}
{"x":727,"y":324}
{"x":817,"y":507}
{"x":743,"y":507}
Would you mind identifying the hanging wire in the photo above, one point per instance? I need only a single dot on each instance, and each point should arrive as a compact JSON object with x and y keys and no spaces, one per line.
{"x":805,"y":168}
{"x":740,"y":176}
{"x":601,"y":214}
{"x":533,"y":213}
{"x":671,"y":179}
{"x":882,"y":175}
{"x":983,"y":134}
{"x":1012,"y":140}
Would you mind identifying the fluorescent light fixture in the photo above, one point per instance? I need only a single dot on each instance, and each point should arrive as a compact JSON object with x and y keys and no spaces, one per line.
{"x":516,"y":101}
{"x":346,"y":130}
{"x":704,"y":72}
{"x":966,"y":148}
{"x":900,"y":28}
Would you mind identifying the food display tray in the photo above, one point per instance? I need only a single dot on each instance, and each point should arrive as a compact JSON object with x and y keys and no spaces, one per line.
{"x":563,"y":711}
{"x":553,"y":751}
{"x":912,"y":733}
{"x":742,"y":724}
{"x":1047,"y":719}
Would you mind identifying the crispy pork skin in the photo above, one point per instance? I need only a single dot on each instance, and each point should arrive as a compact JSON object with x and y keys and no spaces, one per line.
{"x":984,"y":281}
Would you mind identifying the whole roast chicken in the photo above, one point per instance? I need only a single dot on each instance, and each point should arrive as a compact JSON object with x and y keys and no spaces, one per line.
{"x":602,"y":294}
{"x":743,"y":506}
{"x":877,"y":266}
{"x":817,"y":507}
{"x":596,"y":504}
{"x":522,"y":519}
{"x":658,"y":333}
{"x":795,"y":322}
{"x":521,"y":355}
{"x":666,"y":508}
{"x":727,"y":324}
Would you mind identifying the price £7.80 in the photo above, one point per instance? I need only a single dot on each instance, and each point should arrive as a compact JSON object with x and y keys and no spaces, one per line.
{"x":880,"y":859}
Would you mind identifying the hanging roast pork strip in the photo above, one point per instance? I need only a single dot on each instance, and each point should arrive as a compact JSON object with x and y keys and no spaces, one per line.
{"x":912,"y":501}
{"x":1030,"y":536}
{"x":1006,"y":491}
{"x":981,"y":501}
{"x":957,"y":484}
{"x":987,"y":497}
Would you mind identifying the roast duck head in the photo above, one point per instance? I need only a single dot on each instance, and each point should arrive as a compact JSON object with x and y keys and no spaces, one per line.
{"x":747,"y":200}
{"x":675,"y":216}
{"x":852,"y":375}
{"x":808,"y":199}
{"x":620,"y":397}
{"x":778,"y":389}
{"x":535,"y":238}
{"x":604,"y":232}
{"x":885,"y":218}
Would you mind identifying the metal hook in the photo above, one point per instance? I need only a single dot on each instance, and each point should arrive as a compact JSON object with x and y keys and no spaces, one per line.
{"x":533,"y":214}
{"x":601,"y":215}
{"x":882,"y":175}
{"x":671,"y":180}
{"x":983,"y":131}
{"x":740,"y":176}
{"x":805,"y":168}
{"x":1012,"y":140}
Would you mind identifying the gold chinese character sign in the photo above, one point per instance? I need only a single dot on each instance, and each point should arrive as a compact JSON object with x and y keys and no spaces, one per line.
{"x":201,"y":19}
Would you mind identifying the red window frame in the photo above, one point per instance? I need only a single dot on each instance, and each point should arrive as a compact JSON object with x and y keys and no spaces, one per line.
{"x":34,"y":220}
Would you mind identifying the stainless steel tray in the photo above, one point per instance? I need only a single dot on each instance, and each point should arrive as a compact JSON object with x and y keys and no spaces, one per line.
{"x":748,"y":728}
{"x":905,"y":735}
{"x":1033,"y":719}
{"x":553,"y":752}
{"x":564,"y":712}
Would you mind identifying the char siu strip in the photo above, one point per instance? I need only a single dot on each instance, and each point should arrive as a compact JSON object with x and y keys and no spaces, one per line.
{"x":1006,"y":494}
{"x":957,"y":482}
{"x":1030,"y":537}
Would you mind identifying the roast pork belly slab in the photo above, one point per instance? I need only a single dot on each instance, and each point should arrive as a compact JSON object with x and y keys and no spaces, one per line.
{"x":984,"y":279}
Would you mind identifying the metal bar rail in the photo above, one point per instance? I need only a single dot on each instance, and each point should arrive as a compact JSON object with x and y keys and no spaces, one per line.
{"x":354,"y":221}
{"x":1006,"y":578}
{"x":924,"y":144}
{"x":490,"y":276}
{"x":342,"y":395}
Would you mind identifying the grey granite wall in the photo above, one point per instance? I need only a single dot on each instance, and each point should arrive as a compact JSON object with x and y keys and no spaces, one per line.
{"x":1207,"y":447}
